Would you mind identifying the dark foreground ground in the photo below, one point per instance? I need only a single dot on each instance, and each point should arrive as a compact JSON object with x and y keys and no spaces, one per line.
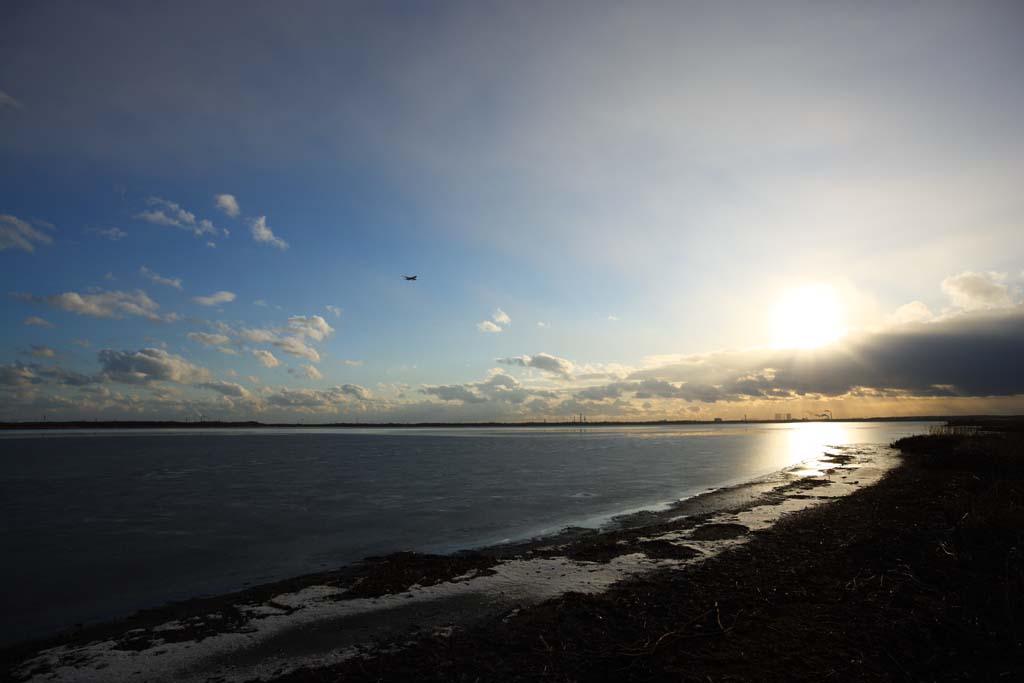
{"x":920,"y":577}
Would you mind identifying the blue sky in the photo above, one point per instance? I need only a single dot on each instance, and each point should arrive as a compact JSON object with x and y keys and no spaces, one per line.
{"x":625,"y":194}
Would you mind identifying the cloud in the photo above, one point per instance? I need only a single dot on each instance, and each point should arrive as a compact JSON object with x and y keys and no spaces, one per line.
{"x":261,"y":232}
{"x":601,"y":393}
{"x":487,"y":326}
{"x":105,"y":304}
{"x":317,"y":400}
{"x":8,"y":101}
{"x":17,"y":375}
{"x":266,"y":358}
{"x":292,"y":337}
{"x":215,"y":299}
{"x":257,"y":335}
{"x":335,"y":310}
{"x":541,"y":323}
{"x":226,"y":203}
{"x":36,"y":320}
{"x":612,"y":317}
{"x":353,"y":363}
{"x":501,"y":317}
{"x":208,"y":339}
{"x":913,"y":312}
{"x":542,"y":361}
{"x":971,"y":354}
{"x":42,"y":351}
{"x":68,"y":378}
{"x":313,"y":326}
{"x":112,"y":234}
{"x":149,"y":365}
{"x":453,"y":392}
{"x":978,"y":291}
{"x":295,"y":346}
{"x":18,"y":234}
{"x":308,"y":371}
{"x":171,"y":214}
{"x":160,"y":279}
{"x":497,"y":387}
{"x":229,"y":389}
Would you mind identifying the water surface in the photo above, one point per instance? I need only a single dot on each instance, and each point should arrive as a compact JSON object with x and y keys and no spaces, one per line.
{"x":97,"y":525}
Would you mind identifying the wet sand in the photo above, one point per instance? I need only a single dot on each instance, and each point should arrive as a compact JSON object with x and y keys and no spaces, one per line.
{"x":391,"y":604}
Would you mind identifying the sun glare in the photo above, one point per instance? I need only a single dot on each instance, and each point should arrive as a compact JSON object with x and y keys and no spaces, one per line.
{"x":807,"y":317}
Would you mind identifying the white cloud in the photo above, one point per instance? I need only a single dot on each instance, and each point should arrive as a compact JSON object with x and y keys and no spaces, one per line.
{"x":36,"y":320}
{"x":541,"y":361}
{"x":313,"y":326}
{"x":8,"y":101}
{"x":913,"y":312}
{"x":229,"y":389}
{"x":266,"y":358}
{"x":160,"y":279}
{"x":215,"y":299}
{"x":166,"y":212}
{"x":258,"y":336}
{"x":260,"y":302}
{"x":541,"y":323}
{"x":227,"y":351}
{"x":18,"y":234}
{"x":227,"y":203}
{"x":497,"y":387}
{"x":335,"y":310}
{"x":261,"y":232}
{"x":487,"y":326}
{"x":307,"y":371}
{"x":112,"y":234}
{"x":208,"y":339}
{"x":613,"y":318}
{"x":106,"y":304}
{"x":501,"y":317}
{"x":353,"y":363}
{"x":149,"y":365}
{"x":295,"y":346}
{"x":292,"y":338}
{"x":978,"y":291}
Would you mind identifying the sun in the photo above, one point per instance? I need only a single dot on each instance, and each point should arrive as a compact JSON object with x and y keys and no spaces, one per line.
{"x":807,"y":317}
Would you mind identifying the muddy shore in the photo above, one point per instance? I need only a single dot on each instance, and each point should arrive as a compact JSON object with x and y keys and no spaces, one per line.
{"x":320,"y":619}
{"x":919,"y":575}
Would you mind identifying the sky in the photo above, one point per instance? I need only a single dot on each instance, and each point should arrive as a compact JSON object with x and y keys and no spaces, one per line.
{"x":635,"y":211}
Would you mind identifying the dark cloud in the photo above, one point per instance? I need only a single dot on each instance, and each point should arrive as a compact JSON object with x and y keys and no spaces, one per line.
{"x":317,"y":399}
{"x":968,"y":355}
{"x":453,"y":392}
{"x":149,"y":365}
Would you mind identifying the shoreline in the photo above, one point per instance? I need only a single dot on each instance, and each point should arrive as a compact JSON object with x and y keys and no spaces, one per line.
{"x":404,"y":592}
{"x":149,"y":424}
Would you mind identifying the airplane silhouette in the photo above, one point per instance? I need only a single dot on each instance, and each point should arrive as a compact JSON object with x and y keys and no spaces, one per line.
{"x":410,"y":277}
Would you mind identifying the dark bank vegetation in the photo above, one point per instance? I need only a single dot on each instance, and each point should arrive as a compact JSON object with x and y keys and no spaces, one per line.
{"x":920,"y":577}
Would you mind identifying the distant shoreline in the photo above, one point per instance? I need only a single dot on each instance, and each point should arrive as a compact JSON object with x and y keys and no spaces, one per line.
{"x":252,"y":424}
